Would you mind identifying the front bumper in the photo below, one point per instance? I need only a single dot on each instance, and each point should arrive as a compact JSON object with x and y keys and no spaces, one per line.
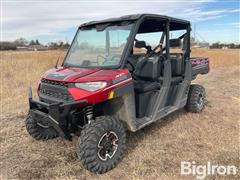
{"x":54,"y":114}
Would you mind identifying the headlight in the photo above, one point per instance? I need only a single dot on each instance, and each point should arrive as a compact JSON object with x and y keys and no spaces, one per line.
{"x":91,"y":86}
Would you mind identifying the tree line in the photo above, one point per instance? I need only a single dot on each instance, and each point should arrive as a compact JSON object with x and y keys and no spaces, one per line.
{"x":219,"y":45}
{"x":23,"y":43}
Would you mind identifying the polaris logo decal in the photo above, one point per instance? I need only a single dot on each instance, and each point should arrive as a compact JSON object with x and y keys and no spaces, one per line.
{"x":57,"y":76}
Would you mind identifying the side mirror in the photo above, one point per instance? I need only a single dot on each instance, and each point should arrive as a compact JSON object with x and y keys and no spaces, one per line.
{"x":175,"y":42}
{"x":140,"y":44}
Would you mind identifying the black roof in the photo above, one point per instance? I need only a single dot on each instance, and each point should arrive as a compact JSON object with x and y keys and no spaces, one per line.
{"x":135,"y":17}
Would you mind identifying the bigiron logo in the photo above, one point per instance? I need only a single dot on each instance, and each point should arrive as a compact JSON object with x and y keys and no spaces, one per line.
{"x":201,"y":171}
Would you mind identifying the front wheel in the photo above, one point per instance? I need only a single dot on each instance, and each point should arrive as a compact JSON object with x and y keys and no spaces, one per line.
{"x":102,"y":144}
{"x":39,"y":130}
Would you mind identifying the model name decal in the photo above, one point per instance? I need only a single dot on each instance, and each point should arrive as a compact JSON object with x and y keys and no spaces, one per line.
{"x":120,"y":77}
{"x":119,"y":83}
{"x":199,"y":61}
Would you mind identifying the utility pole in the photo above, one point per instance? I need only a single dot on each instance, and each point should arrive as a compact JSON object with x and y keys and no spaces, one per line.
{"x":194,"y":29}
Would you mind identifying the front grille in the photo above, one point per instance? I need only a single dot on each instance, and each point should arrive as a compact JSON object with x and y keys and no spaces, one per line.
{"x":56,"y":83}
{"x":54,"y":91}
{"x":62,"y":96}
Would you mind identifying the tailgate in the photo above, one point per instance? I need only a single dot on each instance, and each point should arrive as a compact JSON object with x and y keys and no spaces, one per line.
{"x":199,"y":65}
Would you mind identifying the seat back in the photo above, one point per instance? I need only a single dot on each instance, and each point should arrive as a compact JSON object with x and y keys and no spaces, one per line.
{"x":177,"y":64}
{"x":151,"y":69}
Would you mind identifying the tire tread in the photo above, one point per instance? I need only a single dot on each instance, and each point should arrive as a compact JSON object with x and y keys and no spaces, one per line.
{"x":193,"y":95}
{"x":86,"y":149}
{"x":38,"y":132}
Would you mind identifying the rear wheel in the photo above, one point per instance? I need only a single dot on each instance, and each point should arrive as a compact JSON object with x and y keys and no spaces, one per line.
{"x":196,"y":99}
{"x":39,"y":130}
{"x":102,"y":144}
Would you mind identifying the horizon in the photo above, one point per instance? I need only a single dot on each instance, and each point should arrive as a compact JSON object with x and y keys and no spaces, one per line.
{"x":214,"y":20}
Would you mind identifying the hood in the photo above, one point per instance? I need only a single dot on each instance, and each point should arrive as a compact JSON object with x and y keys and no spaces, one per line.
{"x":71,"y":74}
{"x":68,"y":74}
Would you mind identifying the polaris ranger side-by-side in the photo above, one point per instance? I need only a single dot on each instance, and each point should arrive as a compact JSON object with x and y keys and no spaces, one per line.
{"x":112,"y":80}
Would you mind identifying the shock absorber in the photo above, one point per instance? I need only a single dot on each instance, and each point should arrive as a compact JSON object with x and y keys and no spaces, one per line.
{"x":89,"y":113}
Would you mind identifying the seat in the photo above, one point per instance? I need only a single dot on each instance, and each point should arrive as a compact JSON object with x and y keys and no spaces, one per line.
{"x":132,"y":60}
{"x":148,"y":69}
{"x":177,"y":64}
{"x":145,"y":86}
{"x":147,"y":75}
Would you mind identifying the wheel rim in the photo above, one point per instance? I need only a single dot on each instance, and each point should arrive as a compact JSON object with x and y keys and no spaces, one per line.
{"x":200,"y":101}
{"x":107,"y":146}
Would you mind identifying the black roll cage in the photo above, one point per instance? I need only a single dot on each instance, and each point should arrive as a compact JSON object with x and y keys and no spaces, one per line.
{"x":137,"y":21}
{"x":166,"y":19}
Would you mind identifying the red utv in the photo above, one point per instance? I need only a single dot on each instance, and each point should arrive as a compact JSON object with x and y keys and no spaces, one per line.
{"x":114,"y":78}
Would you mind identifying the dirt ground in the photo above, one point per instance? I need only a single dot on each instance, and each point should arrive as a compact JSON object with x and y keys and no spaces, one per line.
{"x":153,"y":153}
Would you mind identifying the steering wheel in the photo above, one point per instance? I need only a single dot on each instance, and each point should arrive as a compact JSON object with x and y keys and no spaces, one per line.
{"x":115,"y":56}
{"x":131,"y":63}
{"x":100,"y":56}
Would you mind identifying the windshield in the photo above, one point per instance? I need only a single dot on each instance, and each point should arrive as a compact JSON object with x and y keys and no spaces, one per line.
{"x":100,"y":46}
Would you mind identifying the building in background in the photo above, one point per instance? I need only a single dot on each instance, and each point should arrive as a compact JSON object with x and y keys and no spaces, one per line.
{"x":37,"y":48}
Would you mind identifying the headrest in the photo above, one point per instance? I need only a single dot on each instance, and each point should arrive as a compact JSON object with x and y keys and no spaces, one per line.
{"x":175,"y":42}
{"x":140,"y":44}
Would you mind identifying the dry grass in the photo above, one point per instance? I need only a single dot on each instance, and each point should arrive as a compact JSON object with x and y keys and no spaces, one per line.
{"x":154,"y":152}
{"x":220,"y":58}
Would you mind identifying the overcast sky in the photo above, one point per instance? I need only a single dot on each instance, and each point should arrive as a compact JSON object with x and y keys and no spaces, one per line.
{"x":52,"y":20}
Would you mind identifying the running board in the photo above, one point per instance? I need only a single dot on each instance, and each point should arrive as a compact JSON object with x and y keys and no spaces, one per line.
{"x":142,"y":122}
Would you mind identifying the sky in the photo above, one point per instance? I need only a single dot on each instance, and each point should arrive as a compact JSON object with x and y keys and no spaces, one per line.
{"x":52,"y":20}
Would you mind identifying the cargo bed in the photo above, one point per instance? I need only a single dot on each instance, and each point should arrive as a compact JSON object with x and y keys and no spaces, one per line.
{"x":200,"y":65}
